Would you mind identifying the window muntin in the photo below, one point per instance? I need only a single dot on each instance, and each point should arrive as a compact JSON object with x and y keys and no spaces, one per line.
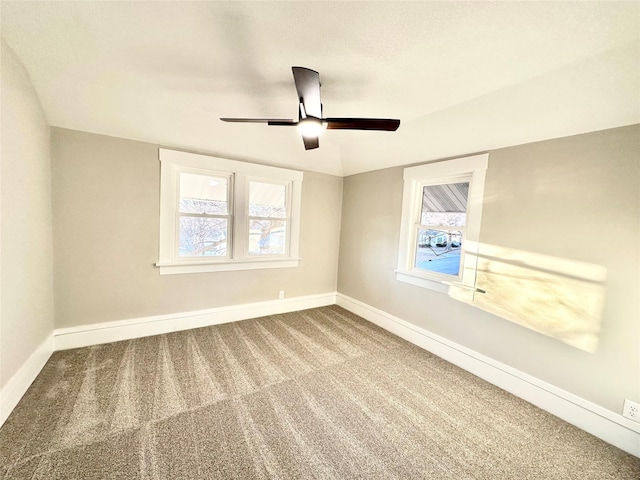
{"x":211,"y":208}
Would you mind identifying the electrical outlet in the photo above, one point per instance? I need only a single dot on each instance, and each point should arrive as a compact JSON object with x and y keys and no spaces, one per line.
{"x":631,"y":410}
{"x":281,"y":294}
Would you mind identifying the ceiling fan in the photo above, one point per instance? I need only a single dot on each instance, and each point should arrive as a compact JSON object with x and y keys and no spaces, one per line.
{"x":310,"y":121}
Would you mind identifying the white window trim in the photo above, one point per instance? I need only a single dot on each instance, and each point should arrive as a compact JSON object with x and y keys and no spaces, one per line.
{"x":471,"y":169}
{"x":173,"y":162}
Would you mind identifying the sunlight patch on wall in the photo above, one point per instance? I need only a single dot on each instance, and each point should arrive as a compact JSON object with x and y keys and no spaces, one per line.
{"x":554,"y":296}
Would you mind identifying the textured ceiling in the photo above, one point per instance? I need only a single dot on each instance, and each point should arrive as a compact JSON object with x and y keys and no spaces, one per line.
{"x":463,"y":77}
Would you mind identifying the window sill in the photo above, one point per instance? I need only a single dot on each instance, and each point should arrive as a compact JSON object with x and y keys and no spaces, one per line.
{"x":413,"y":278}
{"x":176,"y":268}
{"x":456,"y":290}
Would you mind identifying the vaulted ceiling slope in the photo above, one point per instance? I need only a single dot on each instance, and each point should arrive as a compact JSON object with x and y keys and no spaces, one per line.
{"x":462,"y":76}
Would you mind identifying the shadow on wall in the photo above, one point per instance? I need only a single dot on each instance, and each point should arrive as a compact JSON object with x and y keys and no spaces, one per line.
{"x":557,"y":297}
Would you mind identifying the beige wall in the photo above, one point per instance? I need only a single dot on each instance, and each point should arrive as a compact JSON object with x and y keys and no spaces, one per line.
{"x":575,"y":198}
{"x":106,"y":214}
{"x":26,"y":317}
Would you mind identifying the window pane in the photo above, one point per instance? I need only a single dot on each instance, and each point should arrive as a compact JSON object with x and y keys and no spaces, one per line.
{"x":445,"y":204}
{"x":202,"y":236}
{"x":203,"y":194}
{"x":267,"y":200}
{"x":267,"y":237}
{"x":438,"y":251}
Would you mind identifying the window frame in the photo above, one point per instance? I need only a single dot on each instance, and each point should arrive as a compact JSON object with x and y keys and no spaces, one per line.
{"x":471,"y":169}
{"x":173,"y":163}
{"x":288,"y":208}
{"x":417,"y":226}
{"x":230,"y":215}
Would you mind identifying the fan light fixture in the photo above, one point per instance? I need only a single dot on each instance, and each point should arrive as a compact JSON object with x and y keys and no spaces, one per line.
{"x":311,"y":123}
{"x":311,"y":127}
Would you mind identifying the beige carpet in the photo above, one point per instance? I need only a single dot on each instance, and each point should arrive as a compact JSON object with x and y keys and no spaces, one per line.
{"x":314,"y":394}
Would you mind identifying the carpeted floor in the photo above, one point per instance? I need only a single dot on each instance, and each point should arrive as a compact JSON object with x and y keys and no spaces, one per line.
{"x":314,"y":394}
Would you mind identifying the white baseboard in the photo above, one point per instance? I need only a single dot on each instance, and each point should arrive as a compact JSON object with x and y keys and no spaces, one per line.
{"x":17,"y":386}
{"x":609,"y":426}
{"x":85,"y":335}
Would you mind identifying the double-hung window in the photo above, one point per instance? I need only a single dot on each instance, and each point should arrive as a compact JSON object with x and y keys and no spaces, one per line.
{"x":440,"y":229}
{"x":219,"y":215}
{"x":269,"y":216}
{"x":203,"y":215}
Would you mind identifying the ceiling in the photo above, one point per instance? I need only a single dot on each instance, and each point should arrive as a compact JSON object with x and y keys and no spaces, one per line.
{"x":463,"y":77}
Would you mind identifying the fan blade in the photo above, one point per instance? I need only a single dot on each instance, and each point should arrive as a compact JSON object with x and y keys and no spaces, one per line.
{"x":308,"y":88}
{"x":275,"y":121}
{"x":387,"y":124}
{"x":310,"y":142}
{"x":282,"y":123}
